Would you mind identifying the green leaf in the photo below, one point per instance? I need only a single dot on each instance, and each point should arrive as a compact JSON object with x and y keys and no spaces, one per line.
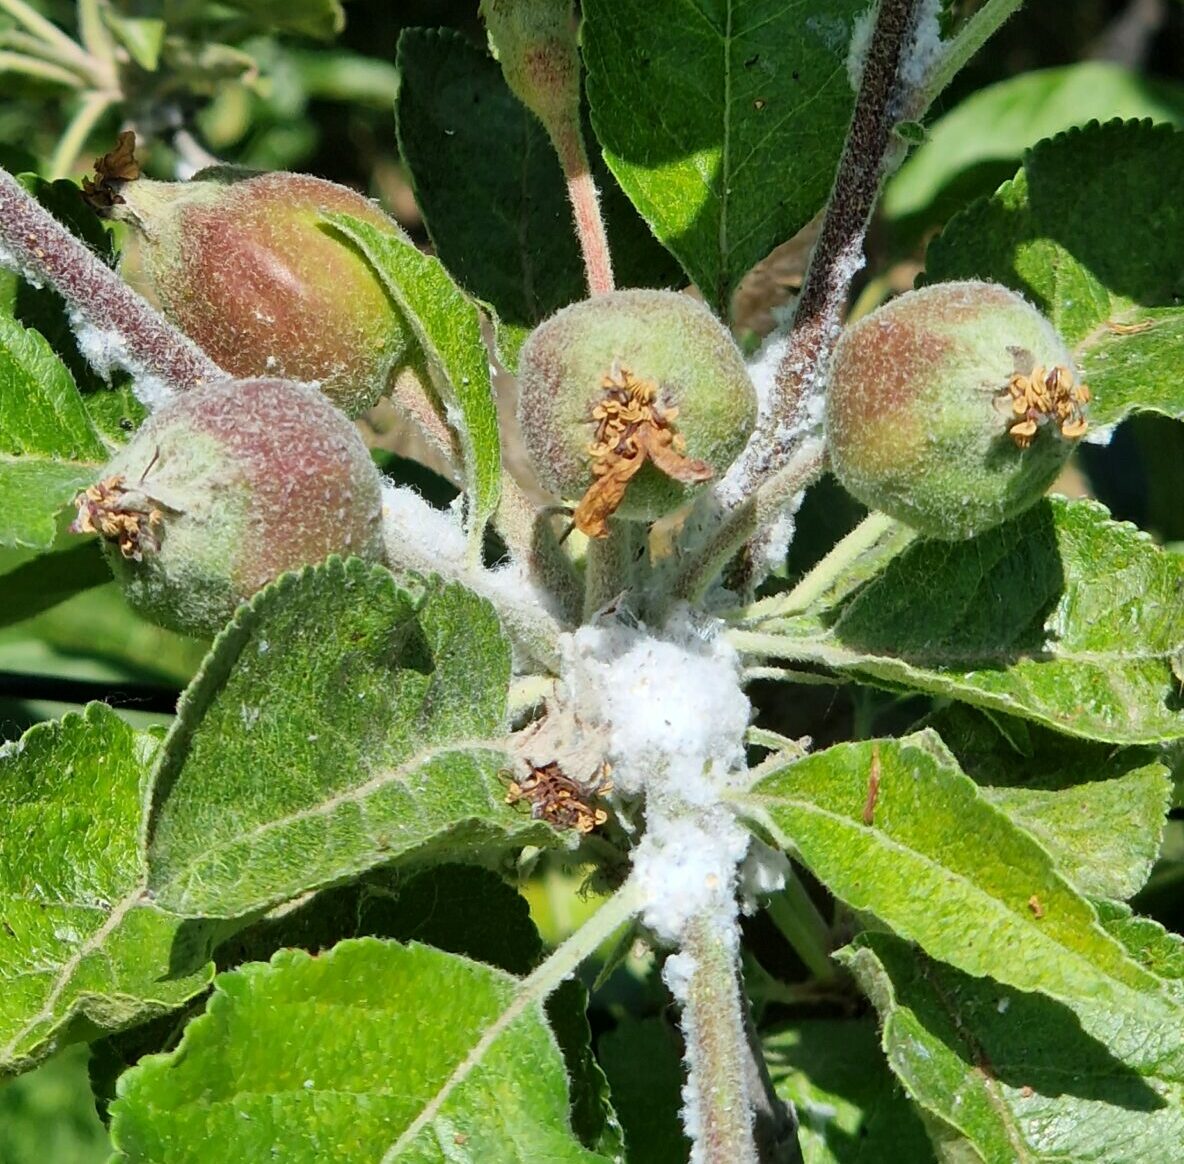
{"x":723,"y":122}
{"x":463,"y":909}
{"x":342,"y":721}
{"x":1092,"y":230}
{"x":49,"y":448}
{"x":1099,"y":812}
{"x":1013,"y":1073}
{"x":491,"y":189}
{"x":51,"y":578}
{"x":1146,"y":941}
{"x":592,"y":1117}
{"x":94,"y":635}
{"x":1060,"y":616}
{"x":448,"y":328}
{"x":141,"y":36}
{"x":983,"y":137}
{"x":321,"y":19}
{"x":81,"y":952}
{"x":944,"y":868}
{"x":373,"y":1051}
{"x":834,"y":1074}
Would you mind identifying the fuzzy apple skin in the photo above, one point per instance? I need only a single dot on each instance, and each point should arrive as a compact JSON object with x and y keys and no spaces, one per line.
{"x":661,"y":336}
{"x":247,"y":269}
{"x":252,"y":478}
{"x":917,"y":412}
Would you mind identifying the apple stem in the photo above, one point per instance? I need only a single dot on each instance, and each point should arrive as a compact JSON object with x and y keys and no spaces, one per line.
{"x":585,"y":205}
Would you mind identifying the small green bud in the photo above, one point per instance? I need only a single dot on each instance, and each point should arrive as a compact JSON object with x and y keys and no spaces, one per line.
{"x":223,"y":490}
{"x":246,"y":268}
{"x":535,"y":43}
{"x":629,"y":399}
{"x":952,"y":408}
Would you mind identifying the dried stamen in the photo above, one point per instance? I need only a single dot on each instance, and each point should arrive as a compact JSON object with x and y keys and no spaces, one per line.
{"x":631,"y":428}
{"x":112,"y":170}
{"x":562,"y":802}
{"x":1047,"y":396}
{"x":125,"y":517}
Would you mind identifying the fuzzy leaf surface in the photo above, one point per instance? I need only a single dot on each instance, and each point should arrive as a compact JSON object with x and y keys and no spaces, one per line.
{"x":850,"y":1109}
{"x":1092,"y":231}
{"x":1011,"y":1072}
{"x":343,"y":720}
{"x":944,"y":868}
{"x":491,"y":189}
{"x":80,"y":951}
{"x":348,"y":1073}
{"x":49,"y":447}
{"x":448,"y":327}
{"x":1061,"y":616}
{"x":722,"y":121}
{"x":1098,"y":811}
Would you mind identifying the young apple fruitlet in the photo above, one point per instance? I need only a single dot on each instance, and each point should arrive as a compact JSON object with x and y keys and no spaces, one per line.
{"x":627,"y":400}
{"x":246,"y":268}
{"x":536,"y":43}
{"x":952,"y":408}
{"x":224,"y":489}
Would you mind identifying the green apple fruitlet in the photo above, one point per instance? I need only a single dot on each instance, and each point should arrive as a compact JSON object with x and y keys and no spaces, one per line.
{"x":224,"y":489}
{"x":952,"y":408}
{"x":247,"y":269}
{"x":627,"y":400}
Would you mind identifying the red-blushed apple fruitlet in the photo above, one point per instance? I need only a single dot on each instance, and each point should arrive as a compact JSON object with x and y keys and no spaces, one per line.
{"x":952,"y":408}
{"x":223,"y":490}
{"x":628,"y":400}
{"x":246,"y":268}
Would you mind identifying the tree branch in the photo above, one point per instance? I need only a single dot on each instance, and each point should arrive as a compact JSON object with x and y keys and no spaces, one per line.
{"x":838,"y":253}
{"x":134,"y":334}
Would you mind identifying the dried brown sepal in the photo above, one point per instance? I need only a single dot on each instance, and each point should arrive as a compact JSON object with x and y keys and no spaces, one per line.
{"x":1047,"y":396}
{"x":115,"y":167}
{"x":631,"y":428}
{"x":562,"y":802}
{"x":126,"y":517}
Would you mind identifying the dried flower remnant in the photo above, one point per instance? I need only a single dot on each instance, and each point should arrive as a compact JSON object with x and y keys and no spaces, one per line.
{"x":562,"y":802}
{"x":1052,"y":396}
{"x":631,"y":428}
{"x":115,"y":167}
{"x":126,"y":517}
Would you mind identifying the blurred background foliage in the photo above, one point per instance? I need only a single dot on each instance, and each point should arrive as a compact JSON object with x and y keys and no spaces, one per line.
{"x":310,"y":85}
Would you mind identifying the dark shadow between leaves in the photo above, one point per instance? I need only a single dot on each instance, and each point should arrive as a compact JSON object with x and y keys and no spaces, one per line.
{"x":1005,"y":752}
